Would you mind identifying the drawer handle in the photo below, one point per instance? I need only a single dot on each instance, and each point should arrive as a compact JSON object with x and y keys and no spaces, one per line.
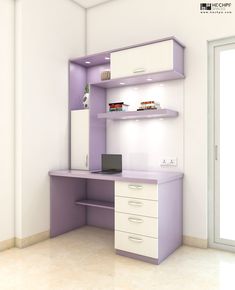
{"x":135,"y":203}
{"x":136,"y":240}
{"x":135,"y":220}
{"x":135,"y":186}
{"x":139,"y":70}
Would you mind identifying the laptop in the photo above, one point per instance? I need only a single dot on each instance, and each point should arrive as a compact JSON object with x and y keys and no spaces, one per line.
{"x":111,"y":164}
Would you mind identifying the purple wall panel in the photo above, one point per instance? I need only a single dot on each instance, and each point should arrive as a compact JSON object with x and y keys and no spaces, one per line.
{"x":97,"y":127}
{"x":170,"y":217}
{"x":65,"y":215}
{"x":100,"y":217}
{"x":178,"y":58}
{"x":94,"y":73}
{"x":101,"y":190}
{"x":77,"y":82}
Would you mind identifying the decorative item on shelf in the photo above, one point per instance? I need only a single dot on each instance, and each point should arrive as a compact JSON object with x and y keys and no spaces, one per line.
{"x":149,"y":105}
{"x":118,"y":107}
{"x":105,"y":75}
{"x":86,"y":96}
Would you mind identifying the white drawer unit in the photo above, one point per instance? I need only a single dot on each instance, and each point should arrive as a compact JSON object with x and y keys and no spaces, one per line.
{"x":130,"y":223}
{"x":136,"y":206}
{"x":136,"y":190}
{"x":151,"y":58}
{"x":136,"y":244}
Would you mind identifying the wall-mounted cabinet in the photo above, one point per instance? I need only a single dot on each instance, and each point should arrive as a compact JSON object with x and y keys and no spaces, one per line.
{"x":152,"y":58}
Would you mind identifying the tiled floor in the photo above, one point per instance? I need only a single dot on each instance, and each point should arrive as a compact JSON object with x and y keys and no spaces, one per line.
{"x":85,"y":259}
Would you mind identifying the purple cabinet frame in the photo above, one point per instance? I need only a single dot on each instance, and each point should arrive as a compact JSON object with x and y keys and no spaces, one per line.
{"x":68,"y":187}
{"x":87,"y":70}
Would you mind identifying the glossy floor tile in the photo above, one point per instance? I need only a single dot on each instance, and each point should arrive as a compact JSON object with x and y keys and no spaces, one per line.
{"x":84,"y":259}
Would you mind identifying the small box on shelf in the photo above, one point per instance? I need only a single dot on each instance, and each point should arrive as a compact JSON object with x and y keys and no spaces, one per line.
{"x":105,"y":75}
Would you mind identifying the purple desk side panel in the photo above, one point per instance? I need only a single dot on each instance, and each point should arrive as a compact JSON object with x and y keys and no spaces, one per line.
{"x":103,"y":191}
{"x":77,"y":82}
{"x":170,"y":227}
{"x":65,"y":214}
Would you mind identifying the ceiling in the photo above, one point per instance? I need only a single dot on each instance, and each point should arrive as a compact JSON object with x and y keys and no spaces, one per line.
{"x":91,"y":3}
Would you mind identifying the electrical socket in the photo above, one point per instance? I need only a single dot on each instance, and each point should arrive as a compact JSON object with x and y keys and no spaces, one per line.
{"x":163,"y":162}
{"x":168,"y":162}
{"x":172,"y":161}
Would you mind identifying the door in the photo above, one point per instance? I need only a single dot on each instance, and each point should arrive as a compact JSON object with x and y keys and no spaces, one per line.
{"x":223,"y":142}
{"x":80,"y":139}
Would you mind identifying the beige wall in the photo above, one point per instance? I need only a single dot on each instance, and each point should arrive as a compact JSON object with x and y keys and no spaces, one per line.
{"x":6,"y":120}
{"x":48,"y":33}
{"x":125,"y":22}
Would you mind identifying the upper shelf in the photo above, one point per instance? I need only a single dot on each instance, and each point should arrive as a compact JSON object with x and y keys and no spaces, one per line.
{"x":104,"y":57}
{"x":140,"y":79}
{"x":160,"y":113}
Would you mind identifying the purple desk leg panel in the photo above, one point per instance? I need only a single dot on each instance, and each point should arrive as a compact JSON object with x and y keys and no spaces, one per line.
{"x":103,"y":191}
{"x":170,"y":227}
{"x":65,"y":215}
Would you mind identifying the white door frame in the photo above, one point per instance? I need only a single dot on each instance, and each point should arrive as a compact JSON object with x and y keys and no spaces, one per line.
{"x":212,"y":150}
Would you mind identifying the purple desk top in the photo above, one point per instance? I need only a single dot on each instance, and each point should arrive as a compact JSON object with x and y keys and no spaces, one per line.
{"x":131,"y":176}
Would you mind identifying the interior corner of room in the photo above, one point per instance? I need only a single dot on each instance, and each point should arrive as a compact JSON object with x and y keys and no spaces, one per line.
{"x":43,"y":109}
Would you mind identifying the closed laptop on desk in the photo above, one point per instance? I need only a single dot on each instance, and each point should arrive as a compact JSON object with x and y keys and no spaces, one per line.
{"x":111,"y":163}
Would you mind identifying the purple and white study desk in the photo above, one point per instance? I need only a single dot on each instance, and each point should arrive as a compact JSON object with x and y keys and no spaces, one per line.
{"x":143,"y":208}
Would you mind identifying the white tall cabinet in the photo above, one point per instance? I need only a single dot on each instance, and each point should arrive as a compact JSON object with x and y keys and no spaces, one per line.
{"x":80,"y":139}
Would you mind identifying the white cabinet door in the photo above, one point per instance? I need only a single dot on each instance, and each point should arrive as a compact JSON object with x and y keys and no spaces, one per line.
{"x":151,"y":58}
{"x":80,"y":139}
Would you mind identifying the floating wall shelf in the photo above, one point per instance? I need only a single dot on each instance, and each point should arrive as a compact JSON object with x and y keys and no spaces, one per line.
{"x":141,"y":79}
{"x":160,"y":113}
{"x":96,"y":203}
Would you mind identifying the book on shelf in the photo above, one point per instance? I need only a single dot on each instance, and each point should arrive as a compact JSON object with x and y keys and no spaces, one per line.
{"x":120,"y":106}
{"x":118,"y":103}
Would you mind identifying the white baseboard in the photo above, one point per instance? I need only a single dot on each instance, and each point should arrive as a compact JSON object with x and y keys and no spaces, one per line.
{"x":7,"y":244}
{"x":195,"y":242}
{"x":31,"y":240}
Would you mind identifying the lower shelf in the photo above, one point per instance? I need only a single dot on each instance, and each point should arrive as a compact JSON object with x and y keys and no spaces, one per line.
{"x":96,"y":203}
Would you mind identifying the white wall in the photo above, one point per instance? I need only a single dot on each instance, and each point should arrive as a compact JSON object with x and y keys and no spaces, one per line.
{"x":48,"y":33}
{"x":143,"y":143}
{"x":125,"y":22}
{"x":6,"y":120}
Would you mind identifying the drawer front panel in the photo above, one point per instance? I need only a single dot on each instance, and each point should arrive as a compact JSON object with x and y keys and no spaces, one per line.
{"x":156,"y":57}
{"x":136,"y":190}
{"x":136,"y":206}
{"x":146,"y":226}
{"x":136,"y":244}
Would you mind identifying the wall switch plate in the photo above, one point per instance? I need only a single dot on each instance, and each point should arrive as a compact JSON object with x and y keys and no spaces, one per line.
{"x":168,"y":162}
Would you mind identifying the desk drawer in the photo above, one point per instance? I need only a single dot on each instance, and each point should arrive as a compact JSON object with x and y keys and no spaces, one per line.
{"x":136,"y":206}
{"x":136,"y":190}
{"x":141,"y":225}
{"x":136,"y":244}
